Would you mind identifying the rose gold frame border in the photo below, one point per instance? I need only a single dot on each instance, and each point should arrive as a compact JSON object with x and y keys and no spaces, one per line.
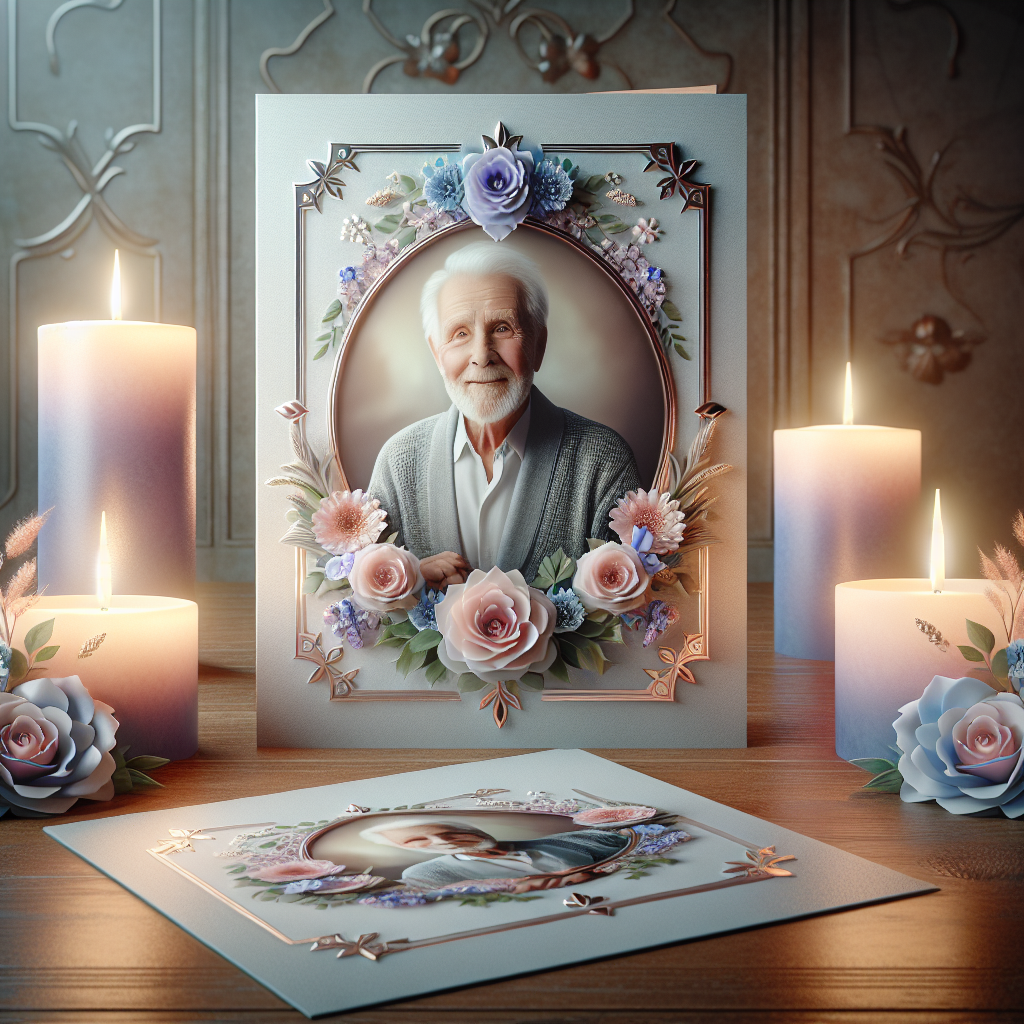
{"x":400,"y":945}
{"x":309,"y":195}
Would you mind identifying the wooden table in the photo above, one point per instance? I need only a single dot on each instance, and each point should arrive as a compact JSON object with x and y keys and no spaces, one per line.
{"x":77,"y":947}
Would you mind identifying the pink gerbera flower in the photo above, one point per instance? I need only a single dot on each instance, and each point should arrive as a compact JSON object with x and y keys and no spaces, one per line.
{"x":347,"y":521}
{"x":658,"y":512}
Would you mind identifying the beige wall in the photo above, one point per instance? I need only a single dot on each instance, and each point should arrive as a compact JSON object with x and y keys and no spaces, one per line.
{"x":827,"y":82}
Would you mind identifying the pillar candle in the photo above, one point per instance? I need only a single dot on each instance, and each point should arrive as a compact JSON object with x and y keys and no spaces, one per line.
{"x":146,"y":668}
{"x":845,"y":501}
{"x":883,"y":660}
{"x":117,"y":422}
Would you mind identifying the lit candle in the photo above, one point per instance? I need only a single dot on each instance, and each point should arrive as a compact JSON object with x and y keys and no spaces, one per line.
{"x":892,"y":637}
{"x":138,"y":654}
{"x":117,"y":414}
{"x":846,"y":496}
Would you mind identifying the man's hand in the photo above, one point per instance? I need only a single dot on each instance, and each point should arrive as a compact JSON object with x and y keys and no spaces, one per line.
{"x":447,"y":567}
{"x":529,"y":884}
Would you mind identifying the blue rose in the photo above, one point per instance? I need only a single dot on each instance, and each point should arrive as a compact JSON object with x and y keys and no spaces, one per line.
{"x":961,"y":747}
{"x":497,"y":189}
{"x":552,"y":187}
{"x":1015,"y":663}
{"x":442,"y":186}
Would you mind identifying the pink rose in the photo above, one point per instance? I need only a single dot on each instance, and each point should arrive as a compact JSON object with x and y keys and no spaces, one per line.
{"x":610,"y":578}
{"x":385,"y":578}
{"x":290,"y":870}
{"x":987,"y":741}
{"x":496,"y":627}
{"x":614,"y":815}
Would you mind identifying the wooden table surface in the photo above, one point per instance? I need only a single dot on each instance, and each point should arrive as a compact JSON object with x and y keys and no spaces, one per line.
{"x":75,"y":946}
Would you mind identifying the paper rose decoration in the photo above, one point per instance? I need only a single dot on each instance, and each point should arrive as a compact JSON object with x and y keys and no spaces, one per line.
{"x":496,"y":627}
{"x":385,"y":578}
{"x":961,"y":746}
{"x":55,"y":743}
{"x":610,"y":578}
{"x":496,"y":184}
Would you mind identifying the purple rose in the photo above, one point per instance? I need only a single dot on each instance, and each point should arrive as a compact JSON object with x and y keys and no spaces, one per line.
{"x":497,"y":184}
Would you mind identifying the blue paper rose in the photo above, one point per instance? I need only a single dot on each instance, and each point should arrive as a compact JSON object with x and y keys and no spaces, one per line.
{"x":497,"y":189}
{"x":961,"y":747}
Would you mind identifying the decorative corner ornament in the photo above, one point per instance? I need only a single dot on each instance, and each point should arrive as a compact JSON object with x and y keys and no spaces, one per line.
{"x":579,"y":899}
{"x":758,"y":864}
{"x":363,"y":945}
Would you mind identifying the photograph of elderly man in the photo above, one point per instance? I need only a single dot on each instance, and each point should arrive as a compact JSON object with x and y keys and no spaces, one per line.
{"x":464,"y":852}
{"x":504,"y":477}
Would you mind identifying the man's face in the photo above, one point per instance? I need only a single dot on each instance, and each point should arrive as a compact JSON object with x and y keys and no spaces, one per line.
{"x":438,"y":839}
{"x":485,"y":356}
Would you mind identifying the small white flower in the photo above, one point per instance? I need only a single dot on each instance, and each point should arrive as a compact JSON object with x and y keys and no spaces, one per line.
{"x":614,"y":178}
{"x":355,"y":229}
{"x":646,"y":231}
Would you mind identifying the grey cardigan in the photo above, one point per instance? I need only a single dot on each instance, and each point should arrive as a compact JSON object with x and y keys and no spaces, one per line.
{"x":572,"y":475}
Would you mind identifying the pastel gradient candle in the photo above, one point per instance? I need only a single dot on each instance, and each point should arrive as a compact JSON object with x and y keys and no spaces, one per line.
{"x":117,"y":423}
{"x":846,"y":497}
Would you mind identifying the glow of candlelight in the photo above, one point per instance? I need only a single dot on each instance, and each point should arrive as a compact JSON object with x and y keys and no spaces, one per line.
{"x":103,"y":584}
{"x":848,"y":397}
{"x":115,"y":290}
{"x":938,"y":572}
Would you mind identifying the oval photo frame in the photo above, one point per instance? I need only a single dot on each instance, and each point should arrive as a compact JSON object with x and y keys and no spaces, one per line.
{"x":604,"y":358}
{"x":314,"y":848}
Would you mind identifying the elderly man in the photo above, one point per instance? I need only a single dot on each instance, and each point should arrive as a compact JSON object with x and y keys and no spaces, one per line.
{"x":464,"y":852}
{"x":504,"y":477}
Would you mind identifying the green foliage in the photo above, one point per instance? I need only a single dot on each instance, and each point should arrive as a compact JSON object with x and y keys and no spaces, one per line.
{"x":331,"y":313}
{"x":680,"y":351}
{"x":559,"y":670}
{"x":410,"y":660}
{"x":468,"y":683}
{"x":389,"y":224}
{"x":1001,"y":666}
{"x":484,"y":899}
{"x":312,"y":582}
{"x":669,"y":308}
{"x":885,"y":775}
{"x":47,"y":653}
{"x":981,"y":636}
{"x":425,"y":640}
{"x":637,"y":866}
{"x":18,"y":668}
{"x":38,"y":635}
{"x":581,"y":652}
{"x":131,"y":774}
{"x":554,"y":569}
{"x":970,"y":653}
{"x":532,"y":681}
{"x":436,"y":673}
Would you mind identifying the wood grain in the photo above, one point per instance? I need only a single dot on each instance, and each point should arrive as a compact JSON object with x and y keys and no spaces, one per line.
{"x":87,"y":951}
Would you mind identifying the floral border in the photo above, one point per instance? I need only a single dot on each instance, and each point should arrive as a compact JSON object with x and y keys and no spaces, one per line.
{"x":419,"y":219}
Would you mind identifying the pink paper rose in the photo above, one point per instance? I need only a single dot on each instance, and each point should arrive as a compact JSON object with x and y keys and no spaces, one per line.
{"x":290,"y":870}
{"x":384,"y":578}
{"x":610,"y":578}
{"x":496,"y":626}
{"x":614,"y":815}
{"x":987,"y":741}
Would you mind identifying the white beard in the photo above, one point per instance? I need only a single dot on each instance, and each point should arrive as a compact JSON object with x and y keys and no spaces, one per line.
{"x":484,"y":407}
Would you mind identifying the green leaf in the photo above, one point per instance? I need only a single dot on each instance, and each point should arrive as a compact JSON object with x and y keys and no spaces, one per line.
{"x":392,"y":537}
{"x":681,"y":351}
{"x":559,"y":670}
{"x":513,"y":687}
{"x":325,"y":337}
{"x":268,"y":846}
{"x":886,"y":782}
{"x":595,"y":183}
{"x":593,"y":543}
{"x":47,"y":653}
{"x":978,"y":634}
{"x":321,"y":352}
{"x":409,"y":660}
{"x":554,"y":569}
{"x":122,"y":781}
{"x":468,"y":682}
{"x":436,"y":672}
{"x":875,"y":765}
{"x":532,"y":681}
{"x":407,"y":236}
{"x":1001,"y":666}
{"x":425,"y":640}
{"x":669,"y":308}
{"x":566,"y":165}
{"x":582,"y":653}
{"x":38,"y":635}
{"x":567,"y":651}
{"x":970,"y":653}
{"x":147,"y":762}
{"x":19,"y":667}
{"x":312,"y":582}
{"x":141,"y":779}
{"x":332,"y":312}
{"x":404,"y":629}
{"x":409,"y":184}
{"x":389,"y":223}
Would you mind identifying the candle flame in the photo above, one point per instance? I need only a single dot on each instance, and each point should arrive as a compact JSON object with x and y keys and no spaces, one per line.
{"x":103,"y":584}
{"x":115,"y":290}
{"x":938,"y":570}
{"x":848,"y":397}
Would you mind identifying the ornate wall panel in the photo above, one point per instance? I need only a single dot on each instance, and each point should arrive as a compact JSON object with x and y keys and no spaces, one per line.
{"x":819,"y":191}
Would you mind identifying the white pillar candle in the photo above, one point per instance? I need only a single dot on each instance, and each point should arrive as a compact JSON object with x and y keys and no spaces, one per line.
{"x":884,"y":660}
{"x":146,"y":668}
{"x":117,"y":423}
{"x":846,"y":497}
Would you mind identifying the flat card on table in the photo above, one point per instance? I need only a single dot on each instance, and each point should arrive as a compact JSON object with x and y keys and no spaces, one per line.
{"x":358,"y":893}
{"x":633,"y":226}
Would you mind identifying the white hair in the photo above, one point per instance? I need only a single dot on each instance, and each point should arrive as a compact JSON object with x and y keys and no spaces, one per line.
{"x":482,"y":258}
{"x":373,"y":834}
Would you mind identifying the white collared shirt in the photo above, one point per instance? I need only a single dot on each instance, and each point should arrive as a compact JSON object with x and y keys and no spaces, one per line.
{"x":483,"y":506}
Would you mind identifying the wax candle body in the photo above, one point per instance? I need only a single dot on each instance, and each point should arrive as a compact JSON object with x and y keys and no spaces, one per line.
{"x":146,"y":669}
{"x":117,"y":421}
{"x":846,"y":498}
{"x":884,"y":661}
